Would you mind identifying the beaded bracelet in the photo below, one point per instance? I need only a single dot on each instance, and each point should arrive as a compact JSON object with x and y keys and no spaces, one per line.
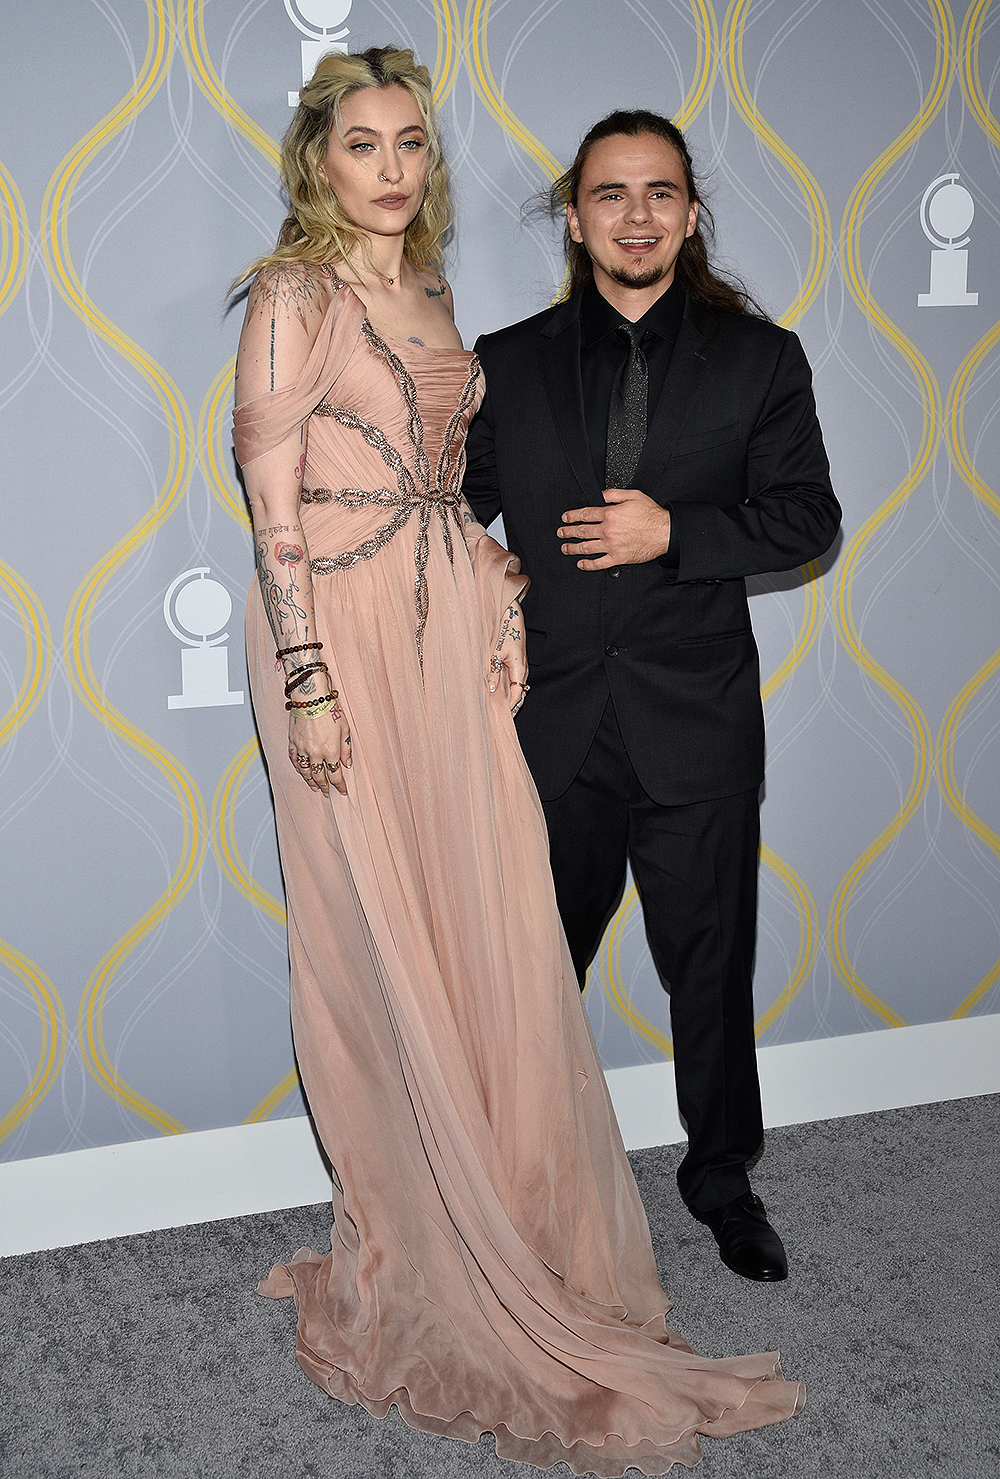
{"x":302,"y":647}
{"x":299,"y":675}
{"x":314,"y":706}
{"x":318,"y":698}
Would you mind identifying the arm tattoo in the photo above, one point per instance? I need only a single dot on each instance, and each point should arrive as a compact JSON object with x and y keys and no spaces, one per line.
{"x":508,"y":627}
{"x":288,"y":619}
{"x":282,"y":289}
{"x":285,"y":288}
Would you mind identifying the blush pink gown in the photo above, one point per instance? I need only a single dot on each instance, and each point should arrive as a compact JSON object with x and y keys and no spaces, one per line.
{"x":491,"y":1266}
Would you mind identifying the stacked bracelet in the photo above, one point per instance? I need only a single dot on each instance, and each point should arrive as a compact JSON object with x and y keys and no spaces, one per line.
{"x":299,"y":675}
{"x":302,"y":647}
{"x":310,"y":708}
{"x":314,"y":706}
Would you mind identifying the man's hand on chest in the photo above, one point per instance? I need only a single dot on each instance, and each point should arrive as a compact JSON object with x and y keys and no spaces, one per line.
{"x":629,"y":529}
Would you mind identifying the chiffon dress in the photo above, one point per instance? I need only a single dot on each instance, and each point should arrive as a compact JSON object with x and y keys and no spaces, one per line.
{"x":491,"y":1267}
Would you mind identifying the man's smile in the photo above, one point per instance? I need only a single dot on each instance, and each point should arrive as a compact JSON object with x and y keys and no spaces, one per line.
{"x":637,"y":243}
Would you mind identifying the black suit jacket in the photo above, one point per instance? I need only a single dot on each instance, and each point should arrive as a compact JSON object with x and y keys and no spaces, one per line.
{"x":735,"y":450}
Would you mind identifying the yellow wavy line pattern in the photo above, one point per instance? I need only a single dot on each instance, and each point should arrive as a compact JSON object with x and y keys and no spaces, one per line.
{"x":191,"y":31}
{"x":961,"y":459}
{"x":224,"y":835}
{"x":820,"y":261}
{"x":805,"y":908}
{"x":213,"y":429}
{"x":820,"y":230}
{"x":38,"y":651}
{"x":51,"y":1013}
{"x":477,"y":15}
{"x":930,"y":396}
{"x":802,"y":897}
{"x":55,"y":242}
{"x":805,"y":641}
{"x":232,"y":864}
{"x":706,"y":63}
{"x":13,"y":239}
{"x":212,"y":454}
{"x":52,"y":1050}
{"x":448,"y":58}
{"x":971,"y":81}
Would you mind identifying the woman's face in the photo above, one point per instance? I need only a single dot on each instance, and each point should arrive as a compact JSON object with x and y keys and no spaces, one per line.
{"x":377,"y":165}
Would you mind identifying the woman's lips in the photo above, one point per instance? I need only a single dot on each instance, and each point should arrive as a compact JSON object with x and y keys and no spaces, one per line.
{"x":392,"y":202}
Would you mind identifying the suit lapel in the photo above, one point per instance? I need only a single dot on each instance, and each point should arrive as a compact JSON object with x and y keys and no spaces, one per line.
{"x":692,"y":353}
{"x":559,"y":360}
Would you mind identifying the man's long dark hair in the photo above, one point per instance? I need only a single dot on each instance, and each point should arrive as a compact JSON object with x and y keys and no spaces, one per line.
{"x":693,"y":271}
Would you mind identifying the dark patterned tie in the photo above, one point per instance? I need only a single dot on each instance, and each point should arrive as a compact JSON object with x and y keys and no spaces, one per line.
{"x":627,"y":413}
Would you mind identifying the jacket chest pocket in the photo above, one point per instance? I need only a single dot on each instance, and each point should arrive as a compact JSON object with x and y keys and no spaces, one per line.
{"x":712,"y":439}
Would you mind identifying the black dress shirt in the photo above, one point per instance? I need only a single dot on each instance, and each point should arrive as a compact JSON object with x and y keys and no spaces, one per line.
{"x":602,"y":355}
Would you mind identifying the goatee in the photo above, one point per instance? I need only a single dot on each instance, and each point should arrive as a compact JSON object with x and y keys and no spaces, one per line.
{"x":638,"y":277}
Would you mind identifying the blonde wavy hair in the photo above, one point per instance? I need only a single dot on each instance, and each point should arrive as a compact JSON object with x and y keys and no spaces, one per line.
{"x":316,"y":229}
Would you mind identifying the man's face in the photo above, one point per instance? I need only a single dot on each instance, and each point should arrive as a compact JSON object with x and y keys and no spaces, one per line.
{"x":633,"y":211}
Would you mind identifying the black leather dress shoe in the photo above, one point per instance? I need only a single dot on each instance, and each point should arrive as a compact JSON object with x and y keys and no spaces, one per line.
{"x":748,"y":1244}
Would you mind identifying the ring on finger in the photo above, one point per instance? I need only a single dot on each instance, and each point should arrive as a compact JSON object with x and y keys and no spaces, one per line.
{"x":334,"y":766}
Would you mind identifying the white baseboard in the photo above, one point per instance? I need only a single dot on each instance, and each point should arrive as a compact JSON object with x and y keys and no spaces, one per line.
{"x":114,"y":1190}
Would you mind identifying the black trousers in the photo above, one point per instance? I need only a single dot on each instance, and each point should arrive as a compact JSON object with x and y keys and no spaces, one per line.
{"x":695,"y":868}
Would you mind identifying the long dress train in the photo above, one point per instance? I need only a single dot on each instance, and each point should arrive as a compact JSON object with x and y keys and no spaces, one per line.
{"x":491,"y":1266}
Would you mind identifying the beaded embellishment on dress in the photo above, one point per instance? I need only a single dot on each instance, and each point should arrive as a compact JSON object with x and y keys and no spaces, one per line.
{"x":425,"y":494}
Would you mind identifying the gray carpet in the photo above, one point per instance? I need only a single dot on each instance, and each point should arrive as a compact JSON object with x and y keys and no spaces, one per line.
{"x":153,"y":1355}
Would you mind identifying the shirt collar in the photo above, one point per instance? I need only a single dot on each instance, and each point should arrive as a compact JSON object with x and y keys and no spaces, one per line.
{"x":599,"y":318}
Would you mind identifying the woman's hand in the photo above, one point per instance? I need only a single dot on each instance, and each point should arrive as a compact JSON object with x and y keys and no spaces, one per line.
{"x":510,"y":653}
{"x":320,"y":749}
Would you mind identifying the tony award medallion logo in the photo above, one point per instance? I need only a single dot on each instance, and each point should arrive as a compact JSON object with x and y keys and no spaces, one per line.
{"x":946,"y":213}
{"x":196,"y":609}
{"x":318,"y":21}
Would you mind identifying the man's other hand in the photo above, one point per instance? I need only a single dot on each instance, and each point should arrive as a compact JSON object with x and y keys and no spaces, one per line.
{"x":629,"y":530}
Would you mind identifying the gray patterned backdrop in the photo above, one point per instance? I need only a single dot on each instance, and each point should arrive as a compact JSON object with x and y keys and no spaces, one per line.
{"x":850,"y":151}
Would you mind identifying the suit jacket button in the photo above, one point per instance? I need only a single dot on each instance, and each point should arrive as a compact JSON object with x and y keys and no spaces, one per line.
{"x":611,"y":651}
{"x":614,"y":573}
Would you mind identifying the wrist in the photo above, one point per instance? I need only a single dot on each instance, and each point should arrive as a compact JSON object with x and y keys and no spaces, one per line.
{"x":314,"y":706}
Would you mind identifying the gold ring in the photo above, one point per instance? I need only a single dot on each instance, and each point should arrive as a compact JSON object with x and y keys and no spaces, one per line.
{"x":333,"y":767}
